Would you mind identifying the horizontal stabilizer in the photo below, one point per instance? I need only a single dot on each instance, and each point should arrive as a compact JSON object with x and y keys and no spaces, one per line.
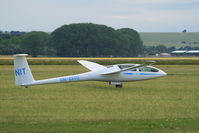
{"x":91,"y":65}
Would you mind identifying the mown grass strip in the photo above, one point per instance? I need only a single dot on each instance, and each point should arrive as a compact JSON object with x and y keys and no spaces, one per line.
{"x":108,"y":126}
{"x":104,"y":61}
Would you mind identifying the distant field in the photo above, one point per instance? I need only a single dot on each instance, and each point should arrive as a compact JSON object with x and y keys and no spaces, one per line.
{"x":170,"y":39}
{"x":8,"y":60}
{"x":165,"y":105}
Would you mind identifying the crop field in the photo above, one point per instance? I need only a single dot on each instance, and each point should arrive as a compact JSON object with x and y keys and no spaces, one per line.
{"x":165,"y":105}
{"x":8,"y":60}
{"x":170,"y":39}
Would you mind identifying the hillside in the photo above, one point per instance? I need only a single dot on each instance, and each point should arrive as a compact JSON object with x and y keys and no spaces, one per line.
{"x":170,"y":39}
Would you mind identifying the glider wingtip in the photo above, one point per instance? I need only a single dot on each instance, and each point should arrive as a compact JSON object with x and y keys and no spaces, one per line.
{"x":150,"y":62}
{"x":20,"y":55}
{"x":81,"y":61}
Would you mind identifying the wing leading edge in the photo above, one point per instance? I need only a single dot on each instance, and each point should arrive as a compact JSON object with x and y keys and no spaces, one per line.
{"x":91,"y":65}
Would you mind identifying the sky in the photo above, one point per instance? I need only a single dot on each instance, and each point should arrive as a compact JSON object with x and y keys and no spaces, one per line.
{"x":141,"y":15}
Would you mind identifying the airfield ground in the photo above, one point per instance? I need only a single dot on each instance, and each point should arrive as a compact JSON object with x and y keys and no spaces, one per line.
{"x":170,"y":39}
{"x":168,"y":104}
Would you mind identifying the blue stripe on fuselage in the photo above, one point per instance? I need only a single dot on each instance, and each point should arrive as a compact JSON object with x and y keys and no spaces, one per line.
{"x":128,"y":73}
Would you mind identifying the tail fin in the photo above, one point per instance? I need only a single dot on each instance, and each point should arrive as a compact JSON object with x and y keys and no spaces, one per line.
{"x":22,"y":71}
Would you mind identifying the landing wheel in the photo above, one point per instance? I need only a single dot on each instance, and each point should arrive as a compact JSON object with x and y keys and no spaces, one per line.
{"x":118,"y":86}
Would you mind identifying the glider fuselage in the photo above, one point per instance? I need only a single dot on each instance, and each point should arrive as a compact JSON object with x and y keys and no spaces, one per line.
{"x":113,"y":74}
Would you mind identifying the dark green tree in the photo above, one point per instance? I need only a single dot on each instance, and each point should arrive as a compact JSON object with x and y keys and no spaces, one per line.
{"x":161,"y":49}
{"x":135,"y":42}
{"x":10,"y":45}
{"x":89,"y":40}
{"x":80,"y":40}
{"x":35,"y":43}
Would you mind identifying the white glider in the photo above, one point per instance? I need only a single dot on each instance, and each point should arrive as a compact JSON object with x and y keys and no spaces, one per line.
{"x":115,"y":74}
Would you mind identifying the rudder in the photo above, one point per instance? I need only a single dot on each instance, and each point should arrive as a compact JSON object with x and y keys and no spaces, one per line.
{"x":22,"y":70}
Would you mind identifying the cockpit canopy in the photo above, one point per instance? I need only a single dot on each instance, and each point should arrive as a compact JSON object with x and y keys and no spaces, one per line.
{"x":141,"y":69}
{"x":147,"y":69}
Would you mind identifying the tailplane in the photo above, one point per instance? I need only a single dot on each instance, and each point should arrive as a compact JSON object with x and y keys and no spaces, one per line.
{"x":22,"y":72}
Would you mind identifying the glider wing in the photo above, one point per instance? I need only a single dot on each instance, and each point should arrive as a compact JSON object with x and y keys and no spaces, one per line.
{"x":91,"y":65}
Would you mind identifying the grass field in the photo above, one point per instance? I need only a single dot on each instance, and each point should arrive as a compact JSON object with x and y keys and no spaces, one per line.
{"x":165,"y":105}
{"x":170,"y":39}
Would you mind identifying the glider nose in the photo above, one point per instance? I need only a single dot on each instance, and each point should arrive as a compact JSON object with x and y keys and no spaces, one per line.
{"x":163,"y":73}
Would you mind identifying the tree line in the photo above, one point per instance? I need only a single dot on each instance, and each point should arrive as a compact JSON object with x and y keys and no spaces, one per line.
{"x":80,"y":40}
{"x":74,"y":40}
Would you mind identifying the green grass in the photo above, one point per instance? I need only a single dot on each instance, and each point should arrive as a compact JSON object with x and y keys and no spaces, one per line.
{"x":168,"y":104}
{"x":170,"y":39}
